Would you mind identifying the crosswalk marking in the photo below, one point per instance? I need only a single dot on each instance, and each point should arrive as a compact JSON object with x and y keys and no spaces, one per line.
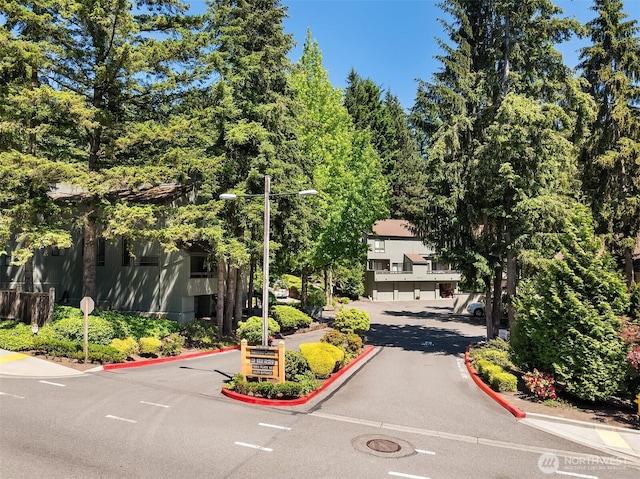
{"x":612,"y":438}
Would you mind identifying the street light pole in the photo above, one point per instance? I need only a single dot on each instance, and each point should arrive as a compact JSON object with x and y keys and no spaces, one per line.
{"x":265,"y":261}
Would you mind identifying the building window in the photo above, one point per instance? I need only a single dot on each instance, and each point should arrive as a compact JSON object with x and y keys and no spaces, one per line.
{"x":100,"y":253}
{"x":55,"y":251}
{"x":378,"y":246}
{"x":126,"y":254}
{"x":148,"y":261}
{"x":396,"y":267}
{"x":200,"y":267}
{"x":379,"y":264}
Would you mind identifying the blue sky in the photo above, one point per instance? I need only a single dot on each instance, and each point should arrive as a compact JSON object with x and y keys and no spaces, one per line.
{"x":392,"y":42}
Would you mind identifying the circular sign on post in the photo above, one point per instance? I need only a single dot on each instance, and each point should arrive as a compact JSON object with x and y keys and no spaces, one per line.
{"x":87,"y":305}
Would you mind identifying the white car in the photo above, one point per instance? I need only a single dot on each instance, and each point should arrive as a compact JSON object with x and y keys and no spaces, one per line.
{"x":476,"y":309}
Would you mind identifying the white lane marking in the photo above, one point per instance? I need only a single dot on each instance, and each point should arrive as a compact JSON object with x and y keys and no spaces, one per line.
{"x":11,"y":395}
{"x":575,"y":474}
{"x":121,"y":419}
{"x":154,"y":404}
{"x":463,"y":368}
{"x":453,"y":437}
{"x":422,"y":451}
{"x":253,"y":446}
{"x":409,"y":476}
{"x":274,"y":426}
{"x":53,"y":384}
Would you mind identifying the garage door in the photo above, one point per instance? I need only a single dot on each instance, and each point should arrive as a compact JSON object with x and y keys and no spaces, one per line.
{"x":405,"y":291}
{"x":385,"y":292}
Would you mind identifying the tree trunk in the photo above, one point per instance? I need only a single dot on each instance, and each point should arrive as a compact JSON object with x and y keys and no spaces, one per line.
{"x":89,"y":287}
{"x":237,"y":317}
{"x":496,"y":310}
{"x":28,"y":275}
{"x":628,"y":266}
{"x":511,"y":288}
{"x":327,"y":293}
{"x":487,"y":307}
{"x":252,"y":273}
{"x":230,"y":300}
{"x":220,"y":299}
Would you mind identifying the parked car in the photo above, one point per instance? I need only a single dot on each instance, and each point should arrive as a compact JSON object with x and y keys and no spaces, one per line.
{"x":476,"y":309}
{"x":280,"y":290}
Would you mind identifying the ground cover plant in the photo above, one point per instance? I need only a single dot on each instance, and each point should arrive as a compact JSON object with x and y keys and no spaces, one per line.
{"x":112,"y":336}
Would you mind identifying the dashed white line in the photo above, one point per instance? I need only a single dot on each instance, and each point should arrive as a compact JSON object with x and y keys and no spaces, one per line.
{"x":575,"y":474}
{"x":53,"y":384}
{"x":253,"y":446}
{"x":121,"y":419}
{"x":11,"y":395}
{"x":422,"y":451}
{"x":463,"y":368}
{"x":274,"y":426}
{"x":154,"y":404}
{"x":409,"y":476}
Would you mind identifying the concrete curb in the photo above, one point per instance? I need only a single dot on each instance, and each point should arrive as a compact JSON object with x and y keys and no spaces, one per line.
{"x":494,"y":395}
{"x":148,"y":362}
{"x":305,"y":399}
{"x":575,"y":422}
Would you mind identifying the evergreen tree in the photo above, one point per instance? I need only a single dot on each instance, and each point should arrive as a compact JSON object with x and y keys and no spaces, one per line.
{"x":495,"y":137}
{"x":388,"y":124}
{"x":255,"y":129}
{"x":569,"y":313}
{"x":611,"y":170}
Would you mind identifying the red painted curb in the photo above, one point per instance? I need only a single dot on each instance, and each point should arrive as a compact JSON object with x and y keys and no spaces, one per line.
{"x":147,"y":362}
{"x":494,"y":395}
{"x":302,"y":400}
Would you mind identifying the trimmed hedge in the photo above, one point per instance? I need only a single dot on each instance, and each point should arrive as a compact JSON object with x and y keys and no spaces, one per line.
{"x":352,"y":320}
{"x":150,"y":346}
{"x":323,"y":358}
{"x":251,"y":329}
{"x":290,"y":318}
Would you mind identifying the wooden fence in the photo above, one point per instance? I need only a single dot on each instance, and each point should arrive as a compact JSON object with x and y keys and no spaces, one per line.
{"x":29,"y":308}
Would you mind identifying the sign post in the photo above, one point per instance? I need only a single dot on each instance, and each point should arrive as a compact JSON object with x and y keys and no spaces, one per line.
{"x":86,"y":306}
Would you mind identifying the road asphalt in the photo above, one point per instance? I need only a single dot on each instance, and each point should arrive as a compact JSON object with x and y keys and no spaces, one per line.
{"x":621,"y":443}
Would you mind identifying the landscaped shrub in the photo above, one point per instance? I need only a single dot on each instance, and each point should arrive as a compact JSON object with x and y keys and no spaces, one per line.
{"x":251,"y":329}
{"x":290,"y":318}
{"x":71,"y":328}
{"x":354,"y":343}
{"x":499,"y":357}
{"x":295,"y":364}
{"x":316,"y":297}
{"x":125,"y":324}
{"x":352,"y":320}
{"x":15,"y":336}
{"x":149,"y":346}
{"x":127,"y":346}
{"x":323,"y":358}
{"x":540,"y":384}
{"x":265,"y":389}
{"x":504,"y":381}
{"x":172,"y":345}
{"x":334,"y":337}
{"x":73,"y":350}
{"x":200,"y":333}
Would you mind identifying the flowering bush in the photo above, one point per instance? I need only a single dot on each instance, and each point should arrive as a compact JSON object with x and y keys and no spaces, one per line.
{"x":540,"y":384}
{"x":634,"y":357}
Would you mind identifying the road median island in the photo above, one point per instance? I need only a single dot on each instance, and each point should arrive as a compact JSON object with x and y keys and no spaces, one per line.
{"x":151,"y":361}
{"x":304,"y":399}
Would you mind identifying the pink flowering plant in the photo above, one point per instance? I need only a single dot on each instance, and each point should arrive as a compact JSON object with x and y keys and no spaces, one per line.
{"x":540,"y":384}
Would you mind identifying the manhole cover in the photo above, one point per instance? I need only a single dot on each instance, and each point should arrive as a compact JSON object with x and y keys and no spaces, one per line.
{"x":383,"y":445}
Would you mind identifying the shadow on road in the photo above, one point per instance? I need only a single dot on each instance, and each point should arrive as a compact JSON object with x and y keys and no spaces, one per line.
{"x":428,"y":339}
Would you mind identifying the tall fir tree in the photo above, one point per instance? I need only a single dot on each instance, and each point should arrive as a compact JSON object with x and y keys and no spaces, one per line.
{"x":610,"y":159}
{"x":500,"y":73}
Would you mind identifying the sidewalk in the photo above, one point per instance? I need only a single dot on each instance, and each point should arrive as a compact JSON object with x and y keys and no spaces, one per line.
{"x":23,"y":365}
